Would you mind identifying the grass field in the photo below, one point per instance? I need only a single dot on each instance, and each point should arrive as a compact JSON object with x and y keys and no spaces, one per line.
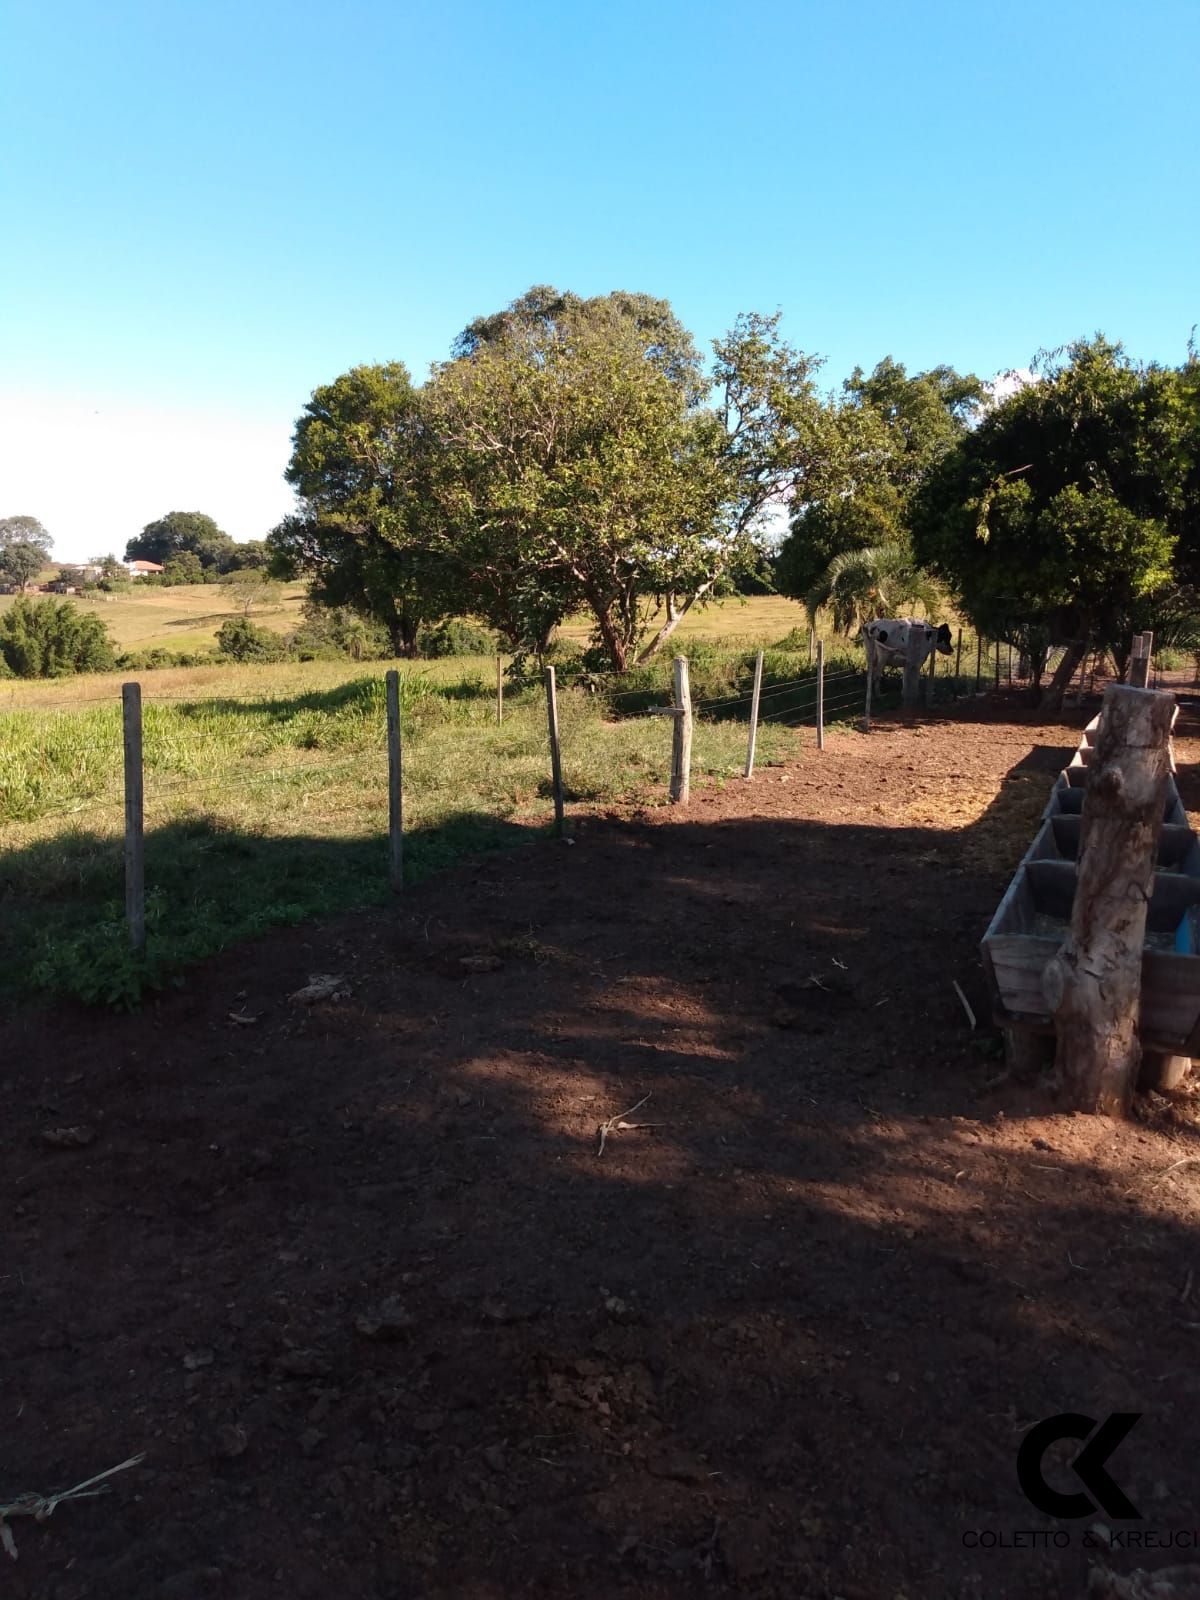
{"x":182,"y":618}
{"x":188,"y":617}
{"x":266,"y":800}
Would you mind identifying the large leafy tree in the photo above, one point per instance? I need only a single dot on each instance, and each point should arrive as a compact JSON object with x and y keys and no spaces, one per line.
{"x":20,"y":562}
{"x":583,"y":459}
{"x":180,"y":531}
{"x":1057,"y":518}
{"x":889,"y":429}
{"x":23,"y":530}
{"x":363,"y":533}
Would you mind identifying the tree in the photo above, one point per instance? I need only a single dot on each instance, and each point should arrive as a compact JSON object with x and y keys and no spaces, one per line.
{"x":184,"y":567}
{"x":111,"y":570}
{"x":251,"y":554}
{"x":581,"y":458}
{"x":20,"y":563}
{"x":891,"y":429}
{"x":361,"y":533}
{"x":24,"y":530}
{"x":880,"y":580}
{"x":242,"y":640}
{"x":53,"y":639}
{"x":1055,"y":518}
{"x":181,"y":531}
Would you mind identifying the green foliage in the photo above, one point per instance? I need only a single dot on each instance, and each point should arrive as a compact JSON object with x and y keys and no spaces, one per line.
{"x":242,"y":640}
{"x":1057,"y":514}
{"x":24,"y":530}
{"x":151,"y":660}
{"x":52,"y":639}
{"x":455,"y":637}
{"x":184,"y":567}
{"x":181,"y":531}
{"x":890,"y":430}
{"x":329,"y":633}
{"x":879,"y":580}
{"x":20,"y":562}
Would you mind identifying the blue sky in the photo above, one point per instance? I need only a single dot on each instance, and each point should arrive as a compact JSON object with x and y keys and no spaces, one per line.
{"x":212,"y":208}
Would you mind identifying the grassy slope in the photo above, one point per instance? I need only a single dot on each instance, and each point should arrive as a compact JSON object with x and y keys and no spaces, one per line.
{"x":183,"y":618}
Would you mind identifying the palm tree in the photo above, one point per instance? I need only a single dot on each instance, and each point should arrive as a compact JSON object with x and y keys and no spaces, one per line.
{"x":880,"y":580}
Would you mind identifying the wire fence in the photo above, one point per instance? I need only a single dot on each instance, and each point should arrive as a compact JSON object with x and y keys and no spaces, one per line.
{"x":271,"y":838}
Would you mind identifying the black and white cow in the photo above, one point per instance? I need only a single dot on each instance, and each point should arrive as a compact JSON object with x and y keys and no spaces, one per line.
{"x":886,"y":641}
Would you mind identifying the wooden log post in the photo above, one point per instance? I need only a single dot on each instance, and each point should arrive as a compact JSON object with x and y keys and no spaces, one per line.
{"x":395,"y":785}
{"x":681,"y":736}
{"x":910,"y":694}
{"x":499,"y":691}
{"x":1093,"y":986}
{"x":135,"y":861}
{"x":555,"y":753}
{"x":754,"y":699}
{"x":1139,"y":660}
{"x":820,"y":694}
{"x":997,"y":666}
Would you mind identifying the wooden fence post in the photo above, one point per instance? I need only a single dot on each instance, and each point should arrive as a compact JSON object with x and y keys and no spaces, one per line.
{"x":811,"y":635}
{"x":499,"y":691}
{"x":681,"y":736}
{"x":997,"y":665}
{"x":910,"y":695}
{"x":958,"y":668}
{"x":1139,"y":661}
{"x":395,"y":785}
{"x":135,"y":863}
{"x":758,"y":666}
{"x":820,"y":694}
{"x":1093,"y":985}
{"x":978,"y":662}
{"x":555,"y":752}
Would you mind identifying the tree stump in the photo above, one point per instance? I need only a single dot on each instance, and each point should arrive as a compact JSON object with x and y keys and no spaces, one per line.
{"x":1093,"y":986}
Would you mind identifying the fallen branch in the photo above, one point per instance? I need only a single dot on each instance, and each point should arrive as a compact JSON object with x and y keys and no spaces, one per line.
{"x":41,"y":1506}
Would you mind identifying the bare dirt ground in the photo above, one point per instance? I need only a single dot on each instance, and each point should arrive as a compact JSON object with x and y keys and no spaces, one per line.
{"x":388,"y":1324}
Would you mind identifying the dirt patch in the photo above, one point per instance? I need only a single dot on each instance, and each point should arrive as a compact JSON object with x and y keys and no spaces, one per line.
{"x":357,"y":1277}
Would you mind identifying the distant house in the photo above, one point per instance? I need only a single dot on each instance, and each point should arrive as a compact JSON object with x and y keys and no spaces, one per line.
{"x":142,"y":569}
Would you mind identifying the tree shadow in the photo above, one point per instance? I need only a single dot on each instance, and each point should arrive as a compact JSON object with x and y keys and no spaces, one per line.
{"x":780,"y":1334}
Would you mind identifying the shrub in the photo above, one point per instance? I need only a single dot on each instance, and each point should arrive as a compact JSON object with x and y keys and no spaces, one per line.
{"x":242,"y":640}
{"x":53,"y":639}
{"x":455,"y":637}
{"x":148,"y":660}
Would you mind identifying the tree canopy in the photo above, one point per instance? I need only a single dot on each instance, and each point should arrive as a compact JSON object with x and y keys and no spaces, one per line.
{"x":571,"y":455}
{"x":193,"y":533}
{"x":21,"y":561}
{"x":890,"y":429}
{"x":24,"y":530}
{"x":1058,"y":518}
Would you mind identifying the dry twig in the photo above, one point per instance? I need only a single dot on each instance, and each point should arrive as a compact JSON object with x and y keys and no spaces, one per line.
{"x":613,"y":1123}
{"x":42,"y":1506}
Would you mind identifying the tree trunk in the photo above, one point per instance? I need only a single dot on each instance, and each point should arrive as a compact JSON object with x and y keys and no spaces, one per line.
{"x":1093,"y":986}
{"x":668,"y":627}
{"x":1063,"y":673}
